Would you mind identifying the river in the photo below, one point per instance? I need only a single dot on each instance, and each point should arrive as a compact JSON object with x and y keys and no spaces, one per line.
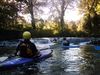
{"x":72,"y":61}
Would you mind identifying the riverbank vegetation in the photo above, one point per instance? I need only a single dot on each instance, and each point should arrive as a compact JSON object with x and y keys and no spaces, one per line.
{"x":46,"y":18}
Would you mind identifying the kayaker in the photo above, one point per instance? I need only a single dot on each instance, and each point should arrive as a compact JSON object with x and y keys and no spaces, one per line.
{"x":65,"y":42}
{"x":26,"y":48}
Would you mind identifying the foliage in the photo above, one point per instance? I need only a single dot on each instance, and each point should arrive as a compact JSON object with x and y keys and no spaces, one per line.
{"x":55,"y":26}
{"x":31,"y":7}
{"x":8,"y":14}
{"x":91,"y":17}
{"x":98,"y":8}
{"x":48,"y":26}
{"x":58,"y":8}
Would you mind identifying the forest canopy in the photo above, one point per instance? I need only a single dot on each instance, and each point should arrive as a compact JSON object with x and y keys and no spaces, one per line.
{"x":56,"y":17}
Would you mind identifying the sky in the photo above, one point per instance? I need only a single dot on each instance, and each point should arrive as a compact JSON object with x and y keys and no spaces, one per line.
{"x":70,"y":15}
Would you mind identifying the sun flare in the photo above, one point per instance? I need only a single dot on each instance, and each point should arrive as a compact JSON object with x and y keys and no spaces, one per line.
{"x":72,"y":15}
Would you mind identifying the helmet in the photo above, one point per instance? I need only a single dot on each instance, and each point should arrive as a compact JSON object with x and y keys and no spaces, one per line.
{"x":26,"y":35}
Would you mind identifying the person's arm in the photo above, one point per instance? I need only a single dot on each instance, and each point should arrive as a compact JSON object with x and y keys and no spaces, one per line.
{"x":34,"y":48}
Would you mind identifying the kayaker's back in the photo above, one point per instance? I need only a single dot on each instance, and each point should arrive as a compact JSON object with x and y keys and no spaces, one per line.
{"x":65,"y":42}
{"x":27,"y":49}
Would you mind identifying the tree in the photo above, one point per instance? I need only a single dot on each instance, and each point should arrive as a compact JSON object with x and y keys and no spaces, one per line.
{"x":58,"y":8}
{"x":8,"y":14}
{"x":88,"y":7}
{"x":30,"y":6}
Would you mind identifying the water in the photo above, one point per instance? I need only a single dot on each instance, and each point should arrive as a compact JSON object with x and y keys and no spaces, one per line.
{"x":72,"y":61}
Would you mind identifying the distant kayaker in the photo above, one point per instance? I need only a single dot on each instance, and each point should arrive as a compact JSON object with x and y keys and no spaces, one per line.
{"x":65,"y":42}
{"x":26,"y":48}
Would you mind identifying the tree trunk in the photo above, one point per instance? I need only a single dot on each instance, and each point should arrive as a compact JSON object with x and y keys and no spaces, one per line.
{"x":62,"y":18}
{"x":32,"y":14}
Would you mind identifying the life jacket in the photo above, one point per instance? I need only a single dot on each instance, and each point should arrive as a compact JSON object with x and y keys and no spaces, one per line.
{"x":25,"y":50}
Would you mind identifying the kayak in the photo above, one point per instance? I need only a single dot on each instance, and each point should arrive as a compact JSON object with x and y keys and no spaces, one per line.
{"x":97,"y":47}
{"x":67,"y":47}
{"x":19,"y":61}
{"x":70,"y":46}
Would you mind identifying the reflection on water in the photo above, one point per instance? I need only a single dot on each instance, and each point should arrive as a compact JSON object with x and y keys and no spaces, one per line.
{"x":72,"y":61}
{"x":88,"y":67}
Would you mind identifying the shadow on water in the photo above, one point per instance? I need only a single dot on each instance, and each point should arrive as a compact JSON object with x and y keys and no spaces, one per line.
{"x":72,"y":61}
{"x":90,"y":65}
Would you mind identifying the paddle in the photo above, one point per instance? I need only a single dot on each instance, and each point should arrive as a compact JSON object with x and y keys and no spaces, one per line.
{"x":3,"y":58}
